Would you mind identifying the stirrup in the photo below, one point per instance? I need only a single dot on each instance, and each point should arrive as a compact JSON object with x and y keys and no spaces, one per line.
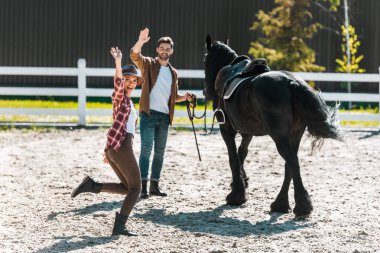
{"x":214,"y":116}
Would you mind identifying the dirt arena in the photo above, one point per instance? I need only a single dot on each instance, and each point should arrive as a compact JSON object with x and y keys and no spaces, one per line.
{"x":39,"y":169}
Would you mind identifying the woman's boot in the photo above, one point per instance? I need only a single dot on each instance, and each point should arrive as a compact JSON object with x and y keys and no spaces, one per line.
{"x":119,"y":226}
{"x":144,"y":191}
{"x":87,"y":185}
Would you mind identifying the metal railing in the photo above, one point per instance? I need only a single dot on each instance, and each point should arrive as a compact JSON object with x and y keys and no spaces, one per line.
{"x":82,"y":92}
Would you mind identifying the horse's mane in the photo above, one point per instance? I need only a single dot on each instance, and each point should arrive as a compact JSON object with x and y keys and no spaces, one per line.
{"x":228,"y":52}
{"x":218,"y":56}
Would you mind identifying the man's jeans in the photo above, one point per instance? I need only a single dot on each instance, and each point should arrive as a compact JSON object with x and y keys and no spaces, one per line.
{"x":153,"y":129}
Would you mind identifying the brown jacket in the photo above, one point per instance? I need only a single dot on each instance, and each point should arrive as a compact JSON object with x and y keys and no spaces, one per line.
{"x":150,"y":69}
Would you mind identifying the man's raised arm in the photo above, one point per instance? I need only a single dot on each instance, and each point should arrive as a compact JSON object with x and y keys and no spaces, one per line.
{"x":143,"y":38}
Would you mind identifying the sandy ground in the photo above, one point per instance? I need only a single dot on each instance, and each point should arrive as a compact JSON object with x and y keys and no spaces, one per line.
{"x":38,"y":171}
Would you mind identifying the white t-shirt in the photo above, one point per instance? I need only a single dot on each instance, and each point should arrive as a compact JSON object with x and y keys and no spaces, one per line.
{"x":131,"y":123}
{"x":160,"y":94}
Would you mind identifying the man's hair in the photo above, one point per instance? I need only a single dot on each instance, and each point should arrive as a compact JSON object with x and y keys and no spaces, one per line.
{"x":165,"y":40}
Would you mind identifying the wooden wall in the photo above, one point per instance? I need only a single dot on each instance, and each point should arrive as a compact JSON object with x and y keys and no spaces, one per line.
{"x":57,"y":33}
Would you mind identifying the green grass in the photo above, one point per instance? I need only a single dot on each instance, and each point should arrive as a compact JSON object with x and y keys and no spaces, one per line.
{"x":108,"y":119}
{"x":361,"y":110}
{"x":369,"y":110}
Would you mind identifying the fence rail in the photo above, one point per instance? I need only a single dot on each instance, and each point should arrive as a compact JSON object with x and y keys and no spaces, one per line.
{"x":82,"y":92}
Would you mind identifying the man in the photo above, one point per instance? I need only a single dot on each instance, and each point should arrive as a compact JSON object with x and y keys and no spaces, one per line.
{"x":158,"y":95}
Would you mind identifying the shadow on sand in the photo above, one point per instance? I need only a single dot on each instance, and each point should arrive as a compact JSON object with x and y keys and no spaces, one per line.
{"x":72,"y":243}
{"x":104,"y":206}
{"x":211,"y":222}
{"x":370,"y":134}
{"x":199,"y":223}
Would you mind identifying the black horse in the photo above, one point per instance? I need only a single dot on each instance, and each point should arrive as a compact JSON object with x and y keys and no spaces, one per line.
{"x":274,"y":103}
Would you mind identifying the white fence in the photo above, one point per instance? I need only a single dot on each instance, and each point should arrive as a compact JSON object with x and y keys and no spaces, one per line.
{"x":82,"y":72}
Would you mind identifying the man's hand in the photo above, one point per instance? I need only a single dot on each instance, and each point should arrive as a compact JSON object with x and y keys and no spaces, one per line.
{"x":116,"y":53}
{"x":185,"y":97}
{"x":144,"y":36}
{"x":189,"y":96}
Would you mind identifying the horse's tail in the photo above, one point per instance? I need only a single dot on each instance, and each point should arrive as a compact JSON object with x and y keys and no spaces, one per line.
{"x":321,"y":119}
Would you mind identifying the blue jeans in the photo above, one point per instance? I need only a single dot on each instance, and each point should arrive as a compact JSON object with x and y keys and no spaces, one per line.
{"x":153,"y":129}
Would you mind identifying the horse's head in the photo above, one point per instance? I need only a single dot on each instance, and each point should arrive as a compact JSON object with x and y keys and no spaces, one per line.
{"x":218,"y":55}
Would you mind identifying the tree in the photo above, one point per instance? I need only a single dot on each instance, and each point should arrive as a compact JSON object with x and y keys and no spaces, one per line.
{"x":353,"y":66}
{"x":334,"y":4}
{"x":285,"y":30}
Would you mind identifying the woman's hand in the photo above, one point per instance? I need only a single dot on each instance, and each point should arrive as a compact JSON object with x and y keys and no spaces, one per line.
{"x":105,"y":160}
{"x":116,"y":53}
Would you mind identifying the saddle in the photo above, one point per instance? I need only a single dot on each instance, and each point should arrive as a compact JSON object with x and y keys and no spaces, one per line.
{"x":240,"y":70}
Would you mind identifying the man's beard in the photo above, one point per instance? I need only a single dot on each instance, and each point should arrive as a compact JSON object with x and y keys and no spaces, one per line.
{"x":163,"y":57}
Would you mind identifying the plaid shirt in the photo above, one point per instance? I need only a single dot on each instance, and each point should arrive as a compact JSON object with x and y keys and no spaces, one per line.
{"x":121,"y":109}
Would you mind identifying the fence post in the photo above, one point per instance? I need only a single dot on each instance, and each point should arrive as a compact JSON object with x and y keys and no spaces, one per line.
{"x":82,"y":91}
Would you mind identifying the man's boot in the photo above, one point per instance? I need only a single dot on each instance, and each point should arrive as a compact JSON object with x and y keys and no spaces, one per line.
{"x":119,"y":226}
{"x":87,"y":185}
{"x":144,"y":192}
{"x":154,"y":189}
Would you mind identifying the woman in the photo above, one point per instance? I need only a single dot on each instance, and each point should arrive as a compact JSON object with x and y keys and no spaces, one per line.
{"x":119,"y":151}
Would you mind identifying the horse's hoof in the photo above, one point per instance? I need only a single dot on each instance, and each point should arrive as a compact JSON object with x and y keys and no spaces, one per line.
{"x":236,"y":202}
{"x":303,"y":205}
{"x":276,"y":207}
{"x":303,"y":210}
{"x":234,"y":199}
{"x":302,"y":217}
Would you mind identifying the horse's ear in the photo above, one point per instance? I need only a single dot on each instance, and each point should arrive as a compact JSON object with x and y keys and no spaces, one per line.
{"x":208,"y":42}
{"x":227,"y":41}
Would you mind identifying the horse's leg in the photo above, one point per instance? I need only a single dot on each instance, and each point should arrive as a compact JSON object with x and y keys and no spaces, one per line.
{"x":237,"y":194}
{"x":281,"y":204}
{"x":242,"y":153}
{"x":287,"y":146}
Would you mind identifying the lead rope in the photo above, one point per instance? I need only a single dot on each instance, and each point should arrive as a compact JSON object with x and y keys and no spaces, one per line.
{"x":190,"y":106}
